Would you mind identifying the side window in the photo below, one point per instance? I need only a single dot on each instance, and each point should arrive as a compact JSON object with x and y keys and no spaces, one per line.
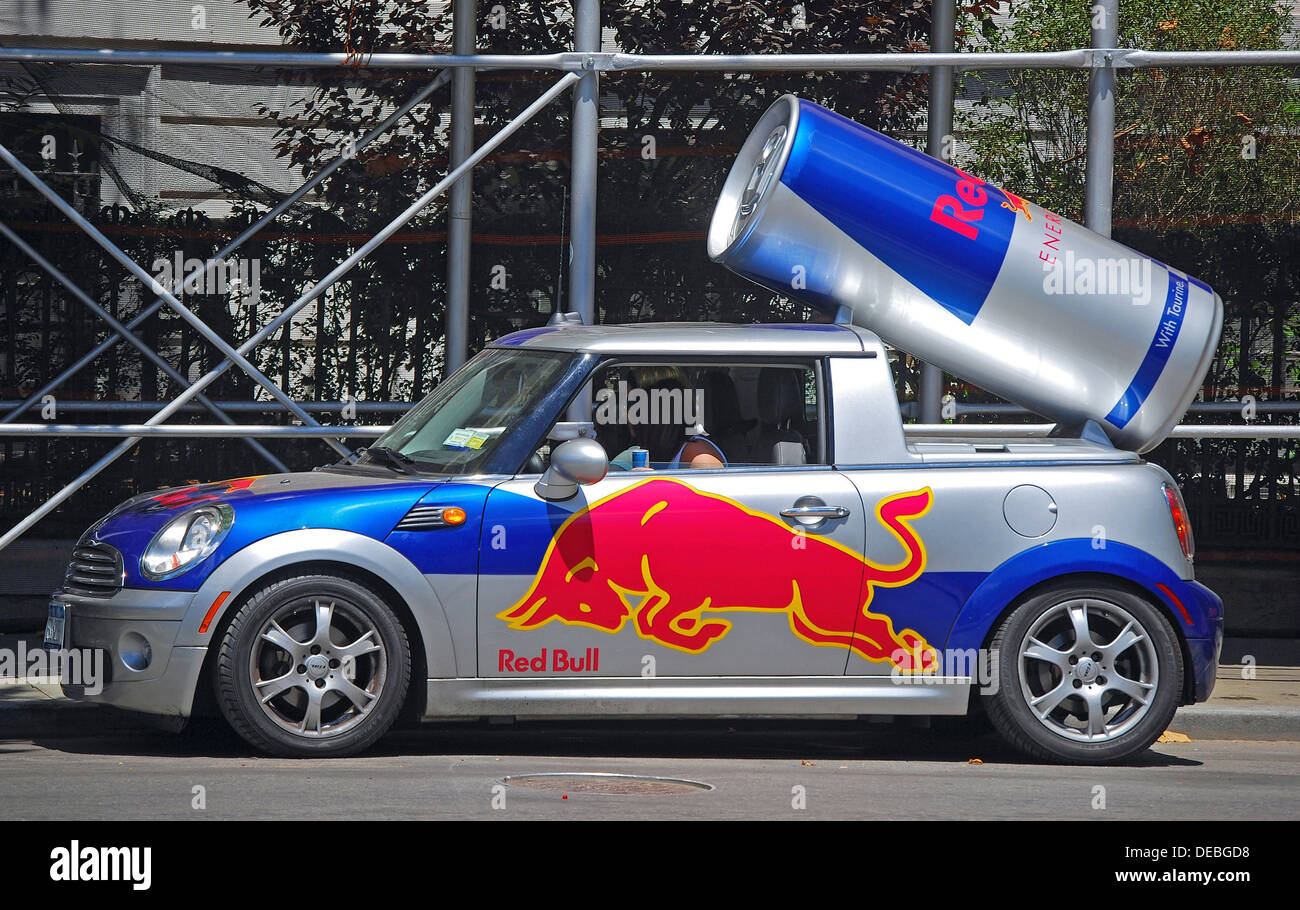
{"x":707,"y":415}
{"x":787,"y":402}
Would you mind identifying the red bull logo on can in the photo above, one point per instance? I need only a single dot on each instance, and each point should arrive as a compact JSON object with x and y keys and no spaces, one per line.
{"x":655,"y":543}
{"x":1016,"y":204}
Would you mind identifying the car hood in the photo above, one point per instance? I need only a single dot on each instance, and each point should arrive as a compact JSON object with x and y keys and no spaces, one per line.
{"x":263,"y":505}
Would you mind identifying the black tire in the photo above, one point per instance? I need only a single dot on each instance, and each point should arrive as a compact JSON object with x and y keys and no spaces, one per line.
{"x":347,"y":692}
{"x":1125,"y":721}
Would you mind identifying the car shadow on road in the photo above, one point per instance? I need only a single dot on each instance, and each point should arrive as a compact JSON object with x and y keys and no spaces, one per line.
{"x":747,"y":738}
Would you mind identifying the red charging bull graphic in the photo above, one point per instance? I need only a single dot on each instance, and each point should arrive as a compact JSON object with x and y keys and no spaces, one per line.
{"x":657,"y":540}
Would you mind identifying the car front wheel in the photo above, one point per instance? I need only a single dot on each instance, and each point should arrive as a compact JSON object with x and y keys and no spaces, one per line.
{"x":316,"y":665}
{"x":1088,"y":672}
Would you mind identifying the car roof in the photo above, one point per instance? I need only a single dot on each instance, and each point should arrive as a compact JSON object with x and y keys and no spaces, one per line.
{"x":697,"y":338}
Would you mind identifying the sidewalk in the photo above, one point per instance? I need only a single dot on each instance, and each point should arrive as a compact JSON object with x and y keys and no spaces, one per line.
{"x":1266,"y":707}
{"x":34,"y":706}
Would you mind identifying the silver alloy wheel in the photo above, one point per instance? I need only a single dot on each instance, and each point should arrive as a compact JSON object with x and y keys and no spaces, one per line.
{"x":318,"y":666}
{"x":1088,"y":670}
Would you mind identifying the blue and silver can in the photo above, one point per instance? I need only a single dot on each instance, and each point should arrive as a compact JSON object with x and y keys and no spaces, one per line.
{"x":640,"y":457}
{"x":989,"y":286}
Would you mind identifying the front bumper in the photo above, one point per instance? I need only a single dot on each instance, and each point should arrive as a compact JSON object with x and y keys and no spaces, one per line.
{"x":136,"y":630}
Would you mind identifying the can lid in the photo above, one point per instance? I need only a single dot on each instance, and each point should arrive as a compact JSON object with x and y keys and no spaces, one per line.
{"x":756,"y":170}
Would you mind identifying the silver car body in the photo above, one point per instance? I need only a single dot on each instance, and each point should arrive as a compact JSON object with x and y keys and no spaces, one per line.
{"x":1004,"y":516}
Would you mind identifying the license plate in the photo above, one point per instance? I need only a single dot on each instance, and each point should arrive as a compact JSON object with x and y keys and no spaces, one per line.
{"x":55,"y":625}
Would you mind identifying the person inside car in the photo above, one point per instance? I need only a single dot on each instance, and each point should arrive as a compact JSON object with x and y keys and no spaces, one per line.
{"x":663,"y":439}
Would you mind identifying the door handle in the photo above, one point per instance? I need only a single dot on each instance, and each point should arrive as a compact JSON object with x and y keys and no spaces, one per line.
{"x":811,"y":512}
{"x":822,"y":512}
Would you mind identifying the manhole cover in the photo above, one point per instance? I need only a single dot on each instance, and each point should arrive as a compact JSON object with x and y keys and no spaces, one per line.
{"x":605,"y":782}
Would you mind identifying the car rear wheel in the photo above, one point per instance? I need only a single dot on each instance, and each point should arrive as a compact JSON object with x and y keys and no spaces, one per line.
{"x":314,"y":665}
{"x":1087,"y":673}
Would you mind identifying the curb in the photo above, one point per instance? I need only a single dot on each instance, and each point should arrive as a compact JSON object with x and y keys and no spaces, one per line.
{"x":1264,"y":723}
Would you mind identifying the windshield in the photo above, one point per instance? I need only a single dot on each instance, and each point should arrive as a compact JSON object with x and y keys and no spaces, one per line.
{"x":467,"y":419}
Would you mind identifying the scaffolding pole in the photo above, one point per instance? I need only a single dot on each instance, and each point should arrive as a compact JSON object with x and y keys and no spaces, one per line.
{"x":1099,"y":174}
{"x":582,"y":178}
{"x":906,"y":62}
{"x":150,"y":282}
{"x":938,"y":145}
{"x":460,"y":209}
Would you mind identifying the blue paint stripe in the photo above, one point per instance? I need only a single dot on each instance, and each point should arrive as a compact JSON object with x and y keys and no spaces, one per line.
{"x":799,"y":326}
{"x":1153,"y":364}
{"x":882,"y":193}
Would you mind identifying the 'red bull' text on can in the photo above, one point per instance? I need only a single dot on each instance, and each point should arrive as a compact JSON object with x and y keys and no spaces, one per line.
{"x":976,"y":280}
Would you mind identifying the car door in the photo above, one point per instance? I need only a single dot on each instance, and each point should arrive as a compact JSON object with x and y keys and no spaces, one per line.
{"x":905,"y":607}
{"x":747,"y":570}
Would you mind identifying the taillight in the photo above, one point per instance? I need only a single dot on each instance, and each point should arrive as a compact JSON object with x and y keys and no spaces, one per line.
{"x":1178,"y":512}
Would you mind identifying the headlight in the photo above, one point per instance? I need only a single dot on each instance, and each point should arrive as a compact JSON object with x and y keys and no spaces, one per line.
{"x":185,"y":541}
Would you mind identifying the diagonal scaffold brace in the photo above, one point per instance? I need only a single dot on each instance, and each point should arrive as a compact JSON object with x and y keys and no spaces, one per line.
{"x":196,"y":279}
{"x":290,"y":311}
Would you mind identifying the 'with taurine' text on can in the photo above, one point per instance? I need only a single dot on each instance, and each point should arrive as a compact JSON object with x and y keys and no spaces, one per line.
{"x":989,"y":286}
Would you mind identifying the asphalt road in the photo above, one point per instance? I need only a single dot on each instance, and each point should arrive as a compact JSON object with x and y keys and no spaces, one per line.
{"x":757,"y":770}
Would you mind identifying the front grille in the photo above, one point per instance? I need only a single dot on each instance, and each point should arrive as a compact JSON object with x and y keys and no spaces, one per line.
{"x":95,"y":570}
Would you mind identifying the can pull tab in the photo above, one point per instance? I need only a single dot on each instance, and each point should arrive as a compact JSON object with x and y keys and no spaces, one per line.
{"x":760,"y":178}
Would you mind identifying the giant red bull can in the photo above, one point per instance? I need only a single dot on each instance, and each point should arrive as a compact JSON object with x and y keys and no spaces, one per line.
{"x":989,"y":286}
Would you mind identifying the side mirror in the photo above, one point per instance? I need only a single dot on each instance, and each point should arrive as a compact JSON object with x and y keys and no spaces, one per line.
{"x":577,"y":461}
{"x":572,"y":429}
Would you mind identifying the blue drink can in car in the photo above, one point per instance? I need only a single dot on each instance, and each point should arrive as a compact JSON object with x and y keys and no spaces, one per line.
{"x":989,"y":286}
{"x":640,"y":457}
